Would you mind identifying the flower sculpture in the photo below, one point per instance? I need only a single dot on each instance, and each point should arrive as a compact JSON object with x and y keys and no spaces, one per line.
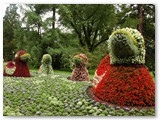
{"x":9,"y":69}
{"x":121,"y":78}
{"x":46,"y":67}
{"x":20,"y":67}
{"x":80,"y":72}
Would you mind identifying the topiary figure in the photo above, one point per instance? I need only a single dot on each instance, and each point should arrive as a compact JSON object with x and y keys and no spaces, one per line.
{"x":46,"y":67}
{"x":121,"y":78}
{"x":20,"y":67}
{"x":80,"y":72}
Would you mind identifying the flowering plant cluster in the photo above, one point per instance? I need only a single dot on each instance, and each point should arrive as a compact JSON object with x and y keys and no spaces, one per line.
{"x":46,"y":67}
{"x":126,"y":46}
{"x":9,"y":68}
{"x":80,"y":72}
{"x":22,"y":56}
{"x":77,"y":60}
{"x":10,"y":71}
{"x":121,"y":78}
{"x":25,"y":57}
{"x":47,"y":59}
{"x":20,"y":67}
{"x":103,"y":67}
{"x":127,"y":86}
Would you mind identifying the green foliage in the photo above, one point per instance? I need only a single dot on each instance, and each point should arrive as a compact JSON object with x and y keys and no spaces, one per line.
{"x":128,"y":17}
{"x":126,"y":46}
{"x":87,"y":22}
{"x":11,"y":22}
{"x":81,"y":29}
{"x":10,"y":71}
{"x":35,"y":61}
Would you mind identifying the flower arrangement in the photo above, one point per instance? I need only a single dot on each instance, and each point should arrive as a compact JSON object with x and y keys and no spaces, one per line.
{"x":80,"y":72}
{"x":121,"y":78}
{"x":46,"y":67}
{"x":77,"y":60}
{"x":127,"y":85}
{"x":103,"y":67}
{"x":9,"y":69}
{"x":126,"y":46}
{"x":20,"y":67}
{"x":25,"y":57}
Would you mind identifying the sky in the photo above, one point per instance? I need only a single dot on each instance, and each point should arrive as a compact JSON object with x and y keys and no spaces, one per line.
{"x":4,"y":8}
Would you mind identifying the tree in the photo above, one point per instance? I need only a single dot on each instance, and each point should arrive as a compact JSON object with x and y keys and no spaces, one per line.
{"x":10,"y":24}
{"x":92,"y":23}
{"x":37,"y":37}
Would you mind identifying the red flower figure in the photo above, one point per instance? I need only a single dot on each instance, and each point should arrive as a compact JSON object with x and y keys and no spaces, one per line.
{"x":21,"y":67}
{"x":80,"y":72}
{"x":124,"y":85}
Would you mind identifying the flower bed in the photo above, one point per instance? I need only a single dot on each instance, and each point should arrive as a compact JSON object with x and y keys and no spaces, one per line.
{"x":56,"y":96}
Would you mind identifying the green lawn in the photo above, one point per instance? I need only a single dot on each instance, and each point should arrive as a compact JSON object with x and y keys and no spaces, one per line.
{"x":63,"y":72}
{"x":55,"y":96}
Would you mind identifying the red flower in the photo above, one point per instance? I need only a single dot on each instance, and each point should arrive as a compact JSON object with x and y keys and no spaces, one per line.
{"x":125,"y":85}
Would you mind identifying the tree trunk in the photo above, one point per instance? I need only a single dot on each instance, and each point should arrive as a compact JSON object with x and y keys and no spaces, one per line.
{"x":53,"y":17}
{"x":140,"y":15}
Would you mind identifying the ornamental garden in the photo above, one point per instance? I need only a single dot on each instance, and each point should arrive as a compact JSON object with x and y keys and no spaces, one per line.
{"x":121,"y":84}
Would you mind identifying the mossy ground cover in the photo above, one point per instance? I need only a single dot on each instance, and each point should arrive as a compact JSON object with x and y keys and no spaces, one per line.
{"x":55,"y":96}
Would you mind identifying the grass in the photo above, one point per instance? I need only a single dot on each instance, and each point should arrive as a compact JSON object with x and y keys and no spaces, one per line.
{"x":65,"y":73}
{"x":55,"y":96}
